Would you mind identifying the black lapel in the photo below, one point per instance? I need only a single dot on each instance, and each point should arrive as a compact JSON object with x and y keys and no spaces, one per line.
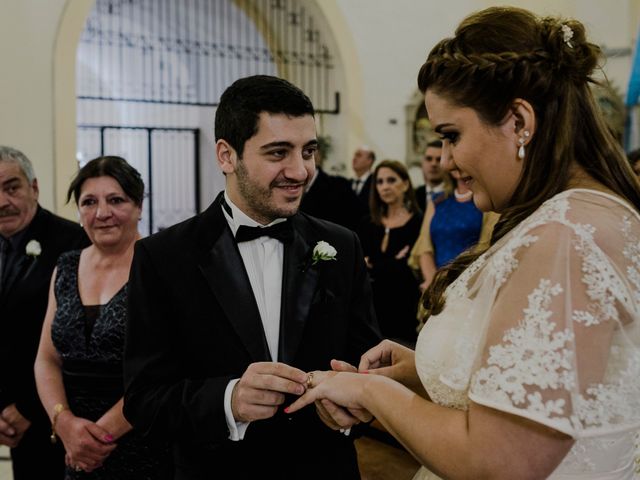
{"x":299,"y":283}
{"x":222,"y":267}
{"x":23,"y":264}
{"x":19,"y":270}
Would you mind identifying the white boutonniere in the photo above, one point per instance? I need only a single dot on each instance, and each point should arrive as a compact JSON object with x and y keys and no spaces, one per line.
{"x":323,"y":251}
{"x":33,"y":248}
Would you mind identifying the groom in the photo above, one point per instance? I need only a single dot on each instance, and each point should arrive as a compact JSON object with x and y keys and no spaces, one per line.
{"x":230,"y":309}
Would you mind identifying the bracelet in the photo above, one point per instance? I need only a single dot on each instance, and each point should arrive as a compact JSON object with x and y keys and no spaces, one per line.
{"x":58,"y":408}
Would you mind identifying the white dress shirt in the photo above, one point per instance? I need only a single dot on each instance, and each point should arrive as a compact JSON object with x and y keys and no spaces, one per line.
{"x":263,"y":259}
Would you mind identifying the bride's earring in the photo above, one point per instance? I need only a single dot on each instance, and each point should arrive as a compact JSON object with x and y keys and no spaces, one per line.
{"x":521,"y":142}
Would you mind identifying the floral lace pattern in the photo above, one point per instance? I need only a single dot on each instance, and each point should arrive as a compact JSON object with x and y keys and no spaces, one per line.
{"x":545,"y":325}
{"x":531,"y":354}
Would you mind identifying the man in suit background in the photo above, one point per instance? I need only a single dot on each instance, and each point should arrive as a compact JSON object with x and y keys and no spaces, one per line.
{"x":31,"y":239}
{"x":225,"y":320}
{"x":432,"y":173}
{"x":330,"y":197}
{"x":362,"y":163}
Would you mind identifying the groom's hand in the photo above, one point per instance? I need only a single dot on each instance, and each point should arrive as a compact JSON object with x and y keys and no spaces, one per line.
{"x":262,"y":388}
{"x":332,"y":415}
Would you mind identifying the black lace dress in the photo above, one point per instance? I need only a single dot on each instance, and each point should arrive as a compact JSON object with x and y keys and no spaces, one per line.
{"x":90,"y":341}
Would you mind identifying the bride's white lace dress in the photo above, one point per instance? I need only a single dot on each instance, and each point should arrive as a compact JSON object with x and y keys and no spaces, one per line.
{"x":546,"y":325}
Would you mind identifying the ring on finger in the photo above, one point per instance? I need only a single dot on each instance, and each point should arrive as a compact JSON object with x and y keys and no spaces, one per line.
{"x":309,"y":380}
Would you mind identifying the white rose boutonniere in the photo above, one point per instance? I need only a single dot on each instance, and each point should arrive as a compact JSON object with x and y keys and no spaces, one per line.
{"x":33,"y":248}
{"x":323,"y":251}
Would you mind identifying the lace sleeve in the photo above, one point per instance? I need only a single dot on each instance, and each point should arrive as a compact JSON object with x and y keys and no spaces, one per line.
{"x":562,"y":344}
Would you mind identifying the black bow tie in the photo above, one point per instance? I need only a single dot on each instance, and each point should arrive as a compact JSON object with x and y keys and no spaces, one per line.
{"x":281,"y":231}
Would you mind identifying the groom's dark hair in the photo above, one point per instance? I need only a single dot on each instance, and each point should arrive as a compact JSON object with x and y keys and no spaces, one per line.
{"x":241,"y":104}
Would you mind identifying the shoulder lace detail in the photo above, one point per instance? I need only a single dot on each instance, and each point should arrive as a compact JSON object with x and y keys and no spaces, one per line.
{"x":503,"y":262}
{"x":531,"y":354}
{"x":604,"y":285}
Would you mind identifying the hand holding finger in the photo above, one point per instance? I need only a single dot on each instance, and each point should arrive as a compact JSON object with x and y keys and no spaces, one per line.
{"x":262,"y":388}
{"x":340,"y":416}
{"x":325,"y":417}
{"x":274,"y":376}
{"x":343,"y":388}
{"x":80,"y":443}
{"x":277,"y":369}
{"x":102,"y":435}
{"x":361,"y":414}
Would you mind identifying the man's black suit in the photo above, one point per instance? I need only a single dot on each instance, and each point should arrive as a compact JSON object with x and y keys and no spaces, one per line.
{"x":23,"y":304}
{"x":421,"y":197}
{"x":194,"y":325}
{"x":331,"y":198}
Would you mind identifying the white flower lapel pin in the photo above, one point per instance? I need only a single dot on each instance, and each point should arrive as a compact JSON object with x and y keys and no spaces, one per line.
{"x":33,"y":248}
{"x":323,"y":251}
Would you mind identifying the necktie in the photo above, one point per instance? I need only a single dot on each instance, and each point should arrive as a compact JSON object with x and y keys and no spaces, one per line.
{"x":281,"y":231}
{"x":356,"y":185}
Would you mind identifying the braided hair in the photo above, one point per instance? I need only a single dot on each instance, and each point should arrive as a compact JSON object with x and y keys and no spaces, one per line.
{"x":504,"y":53}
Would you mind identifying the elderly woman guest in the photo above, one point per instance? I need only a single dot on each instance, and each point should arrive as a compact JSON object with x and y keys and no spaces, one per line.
{"x":387,"y":236}
{"x":529,"y":366}
{"x":79,"y":363}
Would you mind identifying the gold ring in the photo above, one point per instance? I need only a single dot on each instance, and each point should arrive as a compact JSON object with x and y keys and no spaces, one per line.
{"x":309,"y":380}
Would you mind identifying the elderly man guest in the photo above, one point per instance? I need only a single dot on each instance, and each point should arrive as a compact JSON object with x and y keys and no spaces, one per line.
{"x":331,"y":198}
{"x":31,"y":239}
{"x":362,"y":163}
{"x":229,"y":309}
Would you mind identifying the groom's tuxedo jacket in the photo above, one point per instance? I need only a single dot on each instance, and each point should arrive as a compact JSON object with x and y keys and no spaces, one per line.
{"x":194,"y":325}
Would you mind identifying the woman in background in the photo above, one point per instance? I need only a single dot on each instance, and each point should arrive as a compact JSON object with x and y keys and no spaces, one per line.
{"x":451,"y":225}
{"x":79,"y":363}
{"x":387,"y":236}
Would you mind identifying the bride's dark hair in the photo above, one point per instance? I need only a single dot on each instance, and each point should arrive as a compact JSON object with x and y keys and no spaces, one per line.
{"x":504,"y":53}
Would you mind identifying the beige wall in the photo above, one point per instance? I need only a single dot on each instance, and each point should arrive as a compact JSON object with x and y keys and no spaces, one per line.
{"x":391,"y":39}
{"x":381,"y":42}
{"x":28,"y":29}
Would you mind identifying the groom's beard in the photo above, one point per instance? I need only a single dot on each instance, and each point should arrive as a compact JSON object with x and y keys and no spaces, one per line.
{"x":262,"y":199}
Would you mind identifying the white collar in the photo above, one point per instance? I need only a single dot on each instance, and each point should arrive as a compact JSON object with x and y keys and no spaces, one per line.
{"x":238,"y":217}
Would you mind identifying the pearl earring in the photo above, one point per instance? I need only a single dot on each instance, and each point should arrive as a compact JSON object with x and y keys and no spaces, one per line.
{"x":521,"y":141}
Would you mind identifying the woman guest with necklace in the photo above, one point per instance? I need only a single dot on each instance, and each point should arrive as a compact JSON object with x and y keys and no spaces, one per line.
{"x":451,"y":225}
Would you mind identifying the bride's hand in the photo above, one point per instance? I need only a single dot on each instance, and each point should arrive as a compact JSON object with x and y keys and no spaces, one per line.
{"x":331,"y":414}
{"x":394,"y":361}
{"x":343,"y":389}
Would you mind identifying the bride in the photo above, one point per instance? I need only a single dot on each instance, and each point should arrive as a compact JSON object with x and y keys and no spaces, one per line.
{"x":529,"y":363}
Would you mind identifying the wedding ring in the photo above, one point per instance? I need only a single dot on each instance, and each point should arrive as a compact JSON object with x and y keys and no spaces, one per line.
{"x":309,"y":380}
